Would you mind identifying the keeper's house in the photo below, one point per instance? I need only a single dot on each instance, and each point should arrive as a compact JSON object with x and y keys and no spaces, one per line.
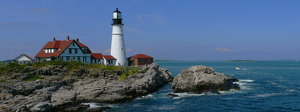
{"x":70,"y":50}
{"x":139,"y":60}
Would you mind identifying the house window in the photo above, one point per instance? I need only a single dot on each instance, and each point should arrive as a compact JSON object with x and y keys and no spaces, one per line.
{"x":78,"y":58}
{"x":73,"y":44}
{"x":84,"y":59}
{"x":68,"y":58}
{"x":70,"y":51}
{"x":75,"y":51}
{"x":142,"y":60}
{"x":148,"y":60}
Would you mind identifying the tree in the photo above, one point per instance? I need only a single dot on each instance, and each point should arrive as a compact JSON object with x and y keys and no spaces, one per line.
{"x":53,"y":58}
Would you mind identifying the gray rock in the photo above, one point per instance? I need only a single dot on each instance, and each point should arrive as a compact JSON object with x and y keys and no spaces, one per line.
{"x":19,"y":76}
{"x":172,"y":95}
{"x":76,"y":108}
{"x":41,"y":107}
{"x":63,"y":96}
{"x":30,"y":68}
{"x":23,"y":108}
{"x":45,"y":70}
{"x":5,"y":96}
{"x":201,"y":79}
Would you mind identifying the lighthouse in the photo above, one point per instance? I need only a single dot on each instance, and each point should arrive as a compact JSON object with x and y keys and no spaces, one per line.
{"x":117,"y":41}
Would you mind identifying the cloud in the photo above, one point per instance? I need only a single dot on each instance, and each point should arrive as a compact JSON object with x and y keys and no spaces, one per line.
{"x":39,"y":10}
{"x":151,"y":19}
{"x":107,"y":51}
{"x":95,"y":51}
{"x":128,"y":49}
{"x":223,"y":49}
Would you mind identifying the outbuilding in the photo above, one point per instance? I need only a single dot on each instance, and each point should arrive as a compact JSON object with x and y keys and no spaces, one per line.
{"x":23,"y":59}
{"x":140,"y":60}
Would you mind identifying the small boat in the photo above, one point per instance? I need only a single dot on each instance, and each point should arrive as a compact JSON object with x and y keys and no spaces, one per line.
{"x":238,"y":68}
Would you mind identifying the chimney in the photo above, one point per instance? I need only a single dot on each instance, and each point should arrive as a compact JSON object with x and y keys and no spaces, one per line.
{"x":77,"y":39}
{"x":54,"y":39}
{"x":68,"y":37}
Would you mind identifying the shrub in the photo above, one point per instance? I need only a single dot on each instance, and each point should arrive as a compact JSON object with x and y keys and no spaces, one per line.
{"x":11,"y":67}
{"x":56,"y":62}
{"x":2,"y":80}
{"x":33,"y":78}
{"x":74,"y":64}
{"x":131,"y":71}
{"x":1,"y":64}
{"x":123,"y":77}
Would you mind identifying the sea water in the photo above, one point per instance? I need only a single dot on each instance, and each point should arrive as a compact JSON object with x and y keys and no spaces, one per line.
{"x":265,"y":86}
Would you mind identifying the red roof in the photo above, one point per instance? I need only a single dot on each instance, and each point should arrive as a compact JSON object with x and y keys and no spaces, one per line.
{"x":58,"y":44}
{"x":97,"y":55}
{"x":82,"y":45}
{"x":28,"y":57}
{"x":109,"y":57}
{"x":141,"y":56}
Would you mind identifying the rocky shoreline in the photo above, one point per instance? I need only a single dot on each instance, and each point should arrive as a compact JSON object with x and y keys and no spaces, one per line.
{"x":60,"y":91}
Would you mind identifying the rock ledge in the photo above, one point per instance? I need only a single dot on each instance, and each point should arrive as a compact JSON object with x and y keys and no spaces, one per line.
{"x":202,"y":79}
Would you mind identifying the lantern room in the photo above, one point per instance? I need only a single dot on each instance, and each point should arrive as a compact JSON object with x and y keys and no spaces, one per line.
{"x":117,"y":18}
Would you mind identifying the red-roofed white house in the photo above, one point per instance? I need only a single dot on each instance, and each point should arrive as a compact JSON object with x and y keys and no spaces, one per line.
{"x":23,"y":59}
{"x":109,"y":60}
{"x":68,"y":50}
{"x":140,"y":60}
{"x":97,"y":58}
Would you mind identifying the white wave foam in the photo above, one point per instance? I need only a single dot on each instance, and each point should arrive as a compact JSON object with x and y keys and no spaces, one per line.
{"x":231,"y":74}
{"x":147,"y":96}
{"x":166,"y":107}
{"x":291,"y":90}
{"x":180,"y":95}
{"x":166,"y":90}
{"x":178,"y":102}
{"x":97,"y":105}
{"x":137,"y":105}
{"x":246,"y":80}
{"x":267,"y":95}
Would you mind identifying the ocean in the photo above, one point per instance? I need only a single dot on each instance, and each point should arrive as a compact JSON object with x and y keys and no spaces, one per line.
{"x":265,"y":86}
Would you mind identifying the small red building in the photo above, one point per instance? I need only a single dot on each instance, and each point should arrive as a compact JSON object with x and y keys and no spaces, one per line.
{"x":140,"y":60}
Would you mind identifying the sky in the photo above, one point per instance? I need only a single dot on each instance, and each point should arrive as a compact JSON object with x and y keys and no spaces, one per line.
{"x":163,"y":29}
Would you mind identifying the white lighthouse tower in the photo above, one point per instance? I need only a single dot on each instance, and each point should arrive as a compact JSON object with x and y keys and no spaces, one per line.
{"x":117,"y":41}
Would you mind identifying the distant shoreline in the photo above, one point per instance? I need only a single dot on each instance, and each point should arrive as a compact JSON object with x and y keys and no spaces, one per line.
{"x":242,"y":61}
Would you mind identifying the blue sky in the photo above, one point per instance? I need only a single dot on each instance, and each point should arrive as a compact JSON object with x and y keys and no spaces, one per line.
{"x":164,"y":29}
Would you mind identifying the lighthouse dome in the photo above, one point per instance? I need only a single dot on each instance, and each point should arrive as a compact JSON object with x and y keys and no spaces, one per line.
{"x":117,"y":11}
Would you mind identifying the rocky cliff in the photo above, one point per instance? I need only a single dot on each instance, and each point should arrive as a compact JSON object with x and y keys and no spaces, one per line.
{"x":202,"y":79}
{"x":59,"y":89}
